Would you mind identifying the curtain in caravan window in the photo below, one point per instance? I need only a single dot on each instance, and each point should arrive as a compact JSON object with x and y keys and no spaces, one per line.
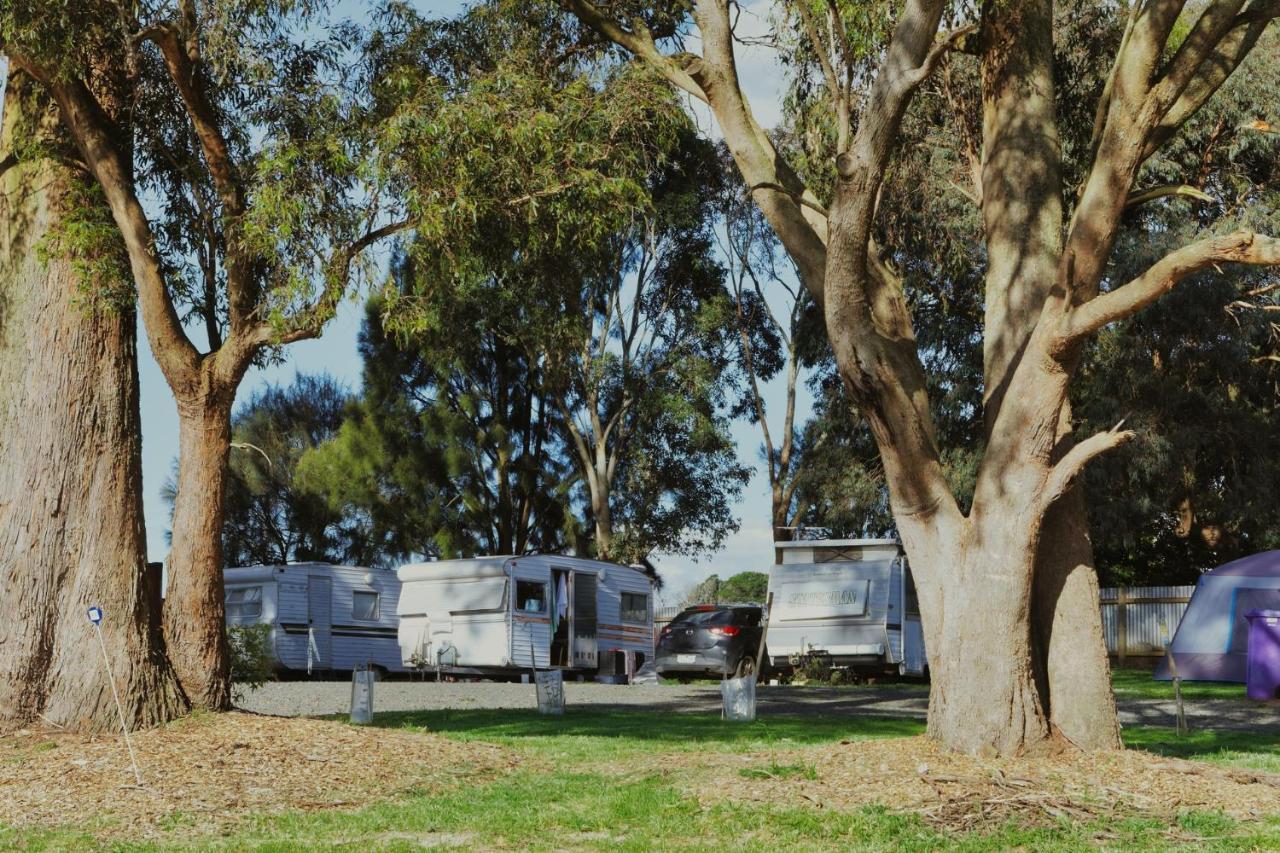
{"x":364,"y":606}
{"x":244,"y":603}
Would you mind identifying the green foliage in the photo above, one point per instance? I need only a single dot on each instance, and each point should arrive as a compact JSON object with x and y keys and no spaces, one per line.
{"x":271,"y":516}
{"x":745,"y":587}
{"x":742,"y":588}
{"x":1195,"y":374}
{"x":706,"y":591}
{"x":589,"y":274}
{"x":450,"y":451}
{"x":87,"y":237}
{"x":252,"y":658}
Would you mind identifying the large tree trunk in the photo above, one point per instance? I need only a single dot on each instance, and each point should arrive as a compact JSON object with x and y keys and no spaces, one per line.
{"x":1067,"y":618}
{"x":194,"y":608}
{"x":975,"y":600}
{"x":71,"y":531}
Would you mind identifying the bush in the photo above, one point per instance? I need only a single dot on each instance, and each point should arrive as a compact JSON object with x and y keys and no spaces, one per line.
{"x":252,"y":660}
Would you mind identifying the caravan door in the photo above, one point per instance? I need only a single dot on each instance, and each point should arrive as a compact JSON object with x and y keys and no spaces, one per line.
{"x":584,"y":620}
{"x":319,"y":622}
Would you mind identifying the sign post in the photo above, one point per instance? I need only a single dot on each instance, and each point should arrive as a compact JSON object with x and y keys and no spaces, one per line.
{"x":95,"y":616}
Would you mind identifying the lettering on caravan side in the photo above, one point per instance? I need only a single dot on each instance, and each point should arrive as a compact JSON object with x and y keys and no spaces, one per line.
{"x":830,"y":598}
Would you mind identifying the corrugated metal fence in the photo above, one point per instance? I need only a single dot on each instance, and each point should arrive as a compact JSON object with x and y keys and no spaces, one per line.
{"x":1140,"y":621}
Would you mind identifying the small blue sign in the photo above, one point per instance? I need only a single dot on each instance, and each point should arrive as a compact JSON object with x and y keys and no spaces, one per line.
{"x":95,"y":615}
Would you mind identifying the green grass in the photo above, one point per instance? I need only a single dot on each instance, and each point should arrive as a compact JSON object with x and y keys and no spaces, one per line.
{"x":587,"y":734}
{"x":1249,"y":750}
{"x":1137,"y":683}
{"x":581,"y":785}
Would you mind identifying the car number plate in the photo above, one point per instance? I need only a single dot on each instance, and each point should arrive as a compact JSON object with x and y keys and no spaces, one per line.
{"x":686,"y":658}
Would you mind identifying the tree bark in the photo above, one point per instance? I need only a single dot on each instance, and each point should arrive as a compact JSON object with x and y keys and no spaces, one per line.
{"x":193,"y":612}
{"x":974,"y":582}
{"x":71,"y":530}
{"x":601,"y":513}
{"x":1067,"y":618}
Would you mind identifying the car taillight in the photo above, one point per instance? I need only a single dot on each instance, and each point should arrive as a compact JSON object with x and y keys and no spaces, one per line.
{"x":727,"y":630}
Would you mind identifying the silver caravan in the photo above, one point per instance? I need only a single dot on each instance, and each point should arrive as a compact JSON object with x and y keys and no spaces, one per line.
{"x":850,"y":602}
{"x":323,"y":617}
{"x":490,"y":616}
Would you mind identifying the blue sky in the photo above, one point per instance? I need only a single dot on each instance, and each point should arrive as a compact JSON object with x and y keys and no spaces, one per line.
{"x":335,"y":353}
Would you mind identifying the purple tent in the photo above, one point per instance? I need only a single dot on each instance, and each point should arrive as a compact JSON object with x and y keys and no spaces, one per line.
{"x":1213,"y":636}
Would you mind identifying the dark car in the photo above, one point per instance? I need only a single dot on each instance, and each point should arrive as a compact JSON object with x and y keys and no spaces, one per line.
{"x":710,"y":641}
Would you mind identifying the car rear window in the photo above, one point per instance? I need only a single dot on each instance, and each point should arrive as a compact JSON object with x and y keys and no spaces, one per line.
{"x":704,"y":617}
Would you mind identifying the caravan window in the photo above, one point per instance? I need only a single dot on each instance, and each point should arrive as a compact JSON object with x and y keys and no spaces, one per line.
{"x":364,"y":605}
{"x":244,"y":603}
{"x":531,"y":596}
{"x":635,"y":607}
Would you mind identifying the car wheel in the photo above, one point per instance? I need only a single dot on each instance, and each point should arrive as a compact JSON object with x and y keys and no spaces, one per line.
{"x":746,"y":666}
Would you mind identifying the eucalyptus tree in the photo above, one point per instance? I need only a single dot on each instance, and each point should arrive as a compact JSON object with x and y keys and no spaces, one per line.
{"x":1006,"y":587}
{"x":452,"y":449}
{"x":71,"y":528}
{"x":611,"y":295}
{"x":643,"y":369}
{"x":1195,"y":375}
{"x":276,"y":159}
{"x":245,"y":144}
{"x":272,"y":516}
{"x":772,"y":316}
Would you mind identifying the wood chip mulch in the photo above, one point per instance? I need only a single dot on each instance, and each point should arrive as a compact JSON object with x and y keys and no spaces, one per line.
{"x":210,"y":771}
{"x":958,"y":793}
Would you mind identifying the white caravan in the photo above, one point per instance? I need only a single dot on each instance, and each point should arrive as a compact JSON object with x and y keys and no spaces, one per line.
{"x":492,"y":616}
{"x":850,"y":602}
{"x":323,"y":618}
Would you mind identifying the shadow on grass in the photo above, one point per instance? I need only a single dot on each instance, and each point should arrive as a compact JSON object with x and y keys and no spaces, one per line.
{"x":1262,"y":749}
{"x":1138,"y":682}
{"x":648,"y":726}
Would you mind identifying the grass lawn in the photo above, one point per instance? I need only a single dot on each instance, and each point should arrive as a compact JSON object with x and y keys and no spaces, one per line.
{"x":618,"y":780}
{"x":1137,"y":683}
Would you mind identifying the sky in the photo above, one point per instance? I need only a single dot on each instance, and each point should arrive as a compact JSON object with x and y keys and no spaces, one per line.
{"x":335,"y":353}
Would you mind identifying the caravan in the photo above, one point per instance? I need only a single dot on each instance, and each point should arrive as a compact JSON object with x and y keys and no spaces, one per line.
{"x":499,"y":616}
{"x":323,"y":618}
{"x":849,"y":602}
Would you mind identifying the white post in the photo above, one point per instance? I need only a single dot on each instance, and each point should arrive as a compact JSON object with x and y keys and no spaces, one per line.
{"x":95,"y":616}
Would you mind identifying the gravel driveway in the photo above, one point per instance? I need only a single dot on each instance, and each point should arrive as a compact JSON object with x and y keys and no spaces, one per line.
{"x":308,"y":698}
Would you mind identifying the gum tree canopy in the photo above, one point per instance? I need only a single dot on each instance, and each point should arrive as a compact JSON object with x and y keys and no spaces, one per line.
{"x":270,"y":146}
{"x":1006,"y":588}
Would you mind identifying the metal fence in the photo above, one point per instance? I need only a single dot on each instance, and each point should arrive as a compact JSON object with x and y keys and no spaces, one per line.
{"x":1141,"y":621}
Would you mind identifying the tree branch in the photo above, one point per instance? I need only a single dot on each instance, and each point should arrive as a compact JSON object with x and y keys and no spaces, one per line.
{"x":184,"y":72}
{"x":94,"y":135}
{"x":310,"y":322}
{"x":1166,"y":190}
{"x":1213,"y":71}
{"x":1064,"y":473}
{"x":1243,"y":247}
{"x":640,"y":42}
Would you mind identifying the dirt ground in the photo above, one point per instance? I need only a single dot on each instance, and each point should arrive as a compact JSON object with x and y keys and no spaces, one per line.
{"x":960,"y":793}
{"x":209,"y":771}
